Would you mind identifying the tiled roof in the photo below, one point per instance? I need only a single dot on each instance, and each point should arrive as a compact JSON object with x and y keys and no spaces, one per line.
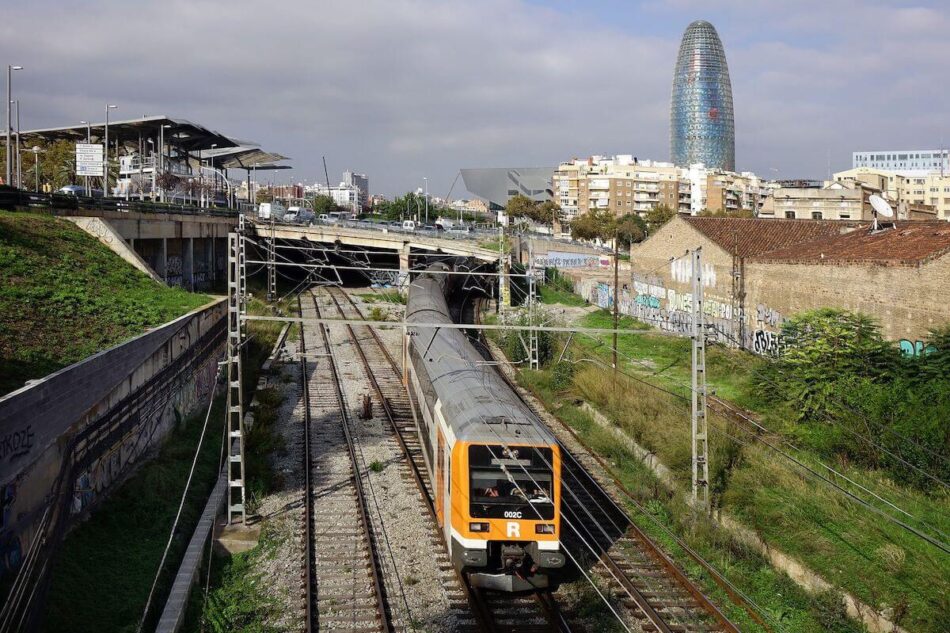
{"x":906,"y":244}
{"x":748,"y":237}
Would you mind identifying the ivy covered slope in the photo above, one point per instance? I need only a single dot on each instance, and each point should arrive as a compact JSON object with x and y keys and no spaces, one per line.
{"x":64,"y":296}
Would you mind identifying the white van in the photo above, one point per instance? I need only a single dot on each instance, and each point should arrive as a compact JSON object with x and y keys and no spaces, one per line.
{"x":299,"y":215}
{"x":408,"y":225}
{"x":271,"y":210}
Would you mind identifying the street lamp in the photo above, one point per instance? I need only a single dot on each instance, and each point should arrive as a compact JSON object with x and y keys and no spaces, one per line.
{"x":214,"y":182}
{"x":105,"y":155}
{"x":10,"y":69}
{"x":426,"y":180}
{"x":161,"y":156}
{"x":36,"y":165}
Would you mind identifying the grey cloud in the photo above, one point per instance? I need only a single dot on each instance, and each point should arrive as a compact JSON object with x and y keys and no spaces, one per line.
{"x":403,"y":89}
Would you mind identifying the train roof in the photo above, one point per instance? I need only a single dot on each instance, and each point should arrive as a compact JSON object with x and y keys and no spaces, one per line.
{"x":477,"y":403}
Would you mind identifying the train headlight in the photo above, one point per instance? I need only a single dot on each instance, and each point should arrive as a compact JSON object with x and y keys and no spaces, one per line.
{"x":544,"y":528}
{"x":479,"y":527}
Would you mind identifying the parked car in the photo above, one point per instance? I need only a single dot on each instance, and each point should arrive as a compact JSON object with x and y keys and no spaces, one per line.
{"x":459,"y":230}
{"x":299,"y":215}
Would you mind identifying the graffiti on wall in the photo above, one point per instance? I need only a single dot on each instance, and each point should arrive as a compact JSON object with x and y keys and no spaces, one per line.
{"x":557,"y":259}
{"x":681,"y":270}
{"x":173,"y":266}
{"x":913,"y":349}
{"x":651,"y":301}
{"x":16,"y":443}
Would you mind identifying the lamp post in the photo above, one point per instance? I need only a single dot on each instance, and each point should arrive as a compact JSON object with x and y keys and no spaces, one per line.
{"x":36,"y":166}
{"x":154,"y":170}
{"x":88,"y":140}
{"x":105,"y":155}
{"x":19,"y":171}
{"x":10,"y":69}
{"x":161,"y":156}
{"x":214,"y":181}
{"x":426,"y":181}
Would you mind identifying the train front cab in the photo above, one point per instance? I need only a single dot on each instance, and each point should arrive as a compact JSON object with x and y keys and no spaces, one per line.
{"x":502,"y":539}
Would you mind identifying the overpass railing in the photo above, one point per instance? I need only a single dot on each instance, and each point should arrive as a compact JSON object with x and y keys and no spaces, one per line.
{"x":61,"y":203}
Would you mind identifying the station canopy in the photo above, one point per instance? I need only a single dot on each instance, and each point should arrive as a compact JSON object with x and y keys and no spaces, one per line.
{"x":184,"y":135}
{"x":246,"y":156}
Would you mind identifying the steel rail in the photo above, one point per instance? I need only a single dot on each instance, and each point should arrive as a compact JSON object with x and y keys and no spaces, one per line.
{"x":309,"y":572}
{"x":480,"y":607}
{"x":651,"y":547}
{"x":376,"y":576}
{"x":417,"y":477}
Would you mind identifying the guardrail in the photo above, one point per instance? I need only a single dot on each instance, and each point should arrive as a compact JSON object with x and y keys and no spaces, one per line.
{"x":56,"y":202}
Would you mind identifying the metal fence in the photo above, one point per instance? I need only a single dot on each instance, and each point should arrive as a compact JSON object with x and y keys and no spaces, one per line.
{"x":55,"y":202}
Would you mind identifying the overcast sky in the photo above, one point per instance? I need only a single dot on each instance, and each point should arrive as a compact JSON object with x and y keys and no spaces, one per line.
{"x":404,"y":89}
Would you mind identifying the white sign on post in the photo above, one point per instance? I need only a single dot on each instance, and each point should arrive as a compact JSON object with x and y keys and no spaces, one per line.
{"x":88,"y":159}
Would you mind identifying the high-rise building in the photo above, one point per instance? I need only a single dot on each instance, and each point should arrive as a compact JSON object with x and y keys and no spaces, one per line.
{"x":702,"y":128}
{"x":361,"y":182}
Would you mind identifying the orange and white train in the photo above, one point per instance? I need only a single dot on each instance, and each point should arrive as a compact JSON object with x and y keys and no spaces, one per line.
{"x":494,"y":466}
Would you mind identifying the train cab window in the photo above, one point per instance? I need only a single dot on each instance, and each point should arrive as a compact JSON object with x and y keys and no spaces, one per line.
{"x":515,"y":483}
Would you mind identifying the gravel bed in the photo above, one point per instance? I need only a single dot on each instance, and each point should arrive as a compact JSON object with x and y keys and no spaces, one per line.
{"x":414,"y":581}
{"x":281,"y":512}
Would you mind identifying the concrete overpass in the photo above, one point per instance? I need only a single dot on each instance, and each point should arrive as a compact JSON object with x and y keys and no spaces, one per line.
{"x":190,"y":249}
{"x":402,"y":243}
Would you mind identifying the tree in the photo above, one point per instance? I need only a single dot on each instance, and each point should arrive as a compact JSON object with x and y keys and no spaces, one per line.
{"x":658,"y":216}
{"x":595,"y":224}
{"x":519,"y":206}
{"x":522,"y":207}
{"x":630,"y":229}
{"x":325,"y":205}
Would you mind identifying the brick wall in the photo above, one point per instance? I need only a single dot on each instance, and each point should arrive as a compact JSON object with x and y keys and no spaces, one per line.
{"x":906,"y":301}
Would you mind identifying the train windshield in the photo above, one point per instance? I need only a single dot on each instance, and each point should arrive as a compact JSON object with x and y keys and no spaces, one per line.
{"x":511,"y":483}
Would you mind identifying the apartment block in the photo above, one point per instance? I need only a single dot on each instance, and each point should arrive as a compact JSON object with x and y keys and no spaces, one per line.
{"x":624,"y":184}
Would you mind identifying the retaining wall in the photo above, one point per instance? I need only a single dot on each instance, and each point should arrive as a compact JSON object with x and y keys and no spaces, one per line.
{"x":82,"y":429}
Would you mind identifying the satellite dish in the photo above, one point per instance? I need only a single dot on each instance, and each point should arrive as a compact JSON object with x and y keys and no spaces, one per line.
{"x":881,"y":206}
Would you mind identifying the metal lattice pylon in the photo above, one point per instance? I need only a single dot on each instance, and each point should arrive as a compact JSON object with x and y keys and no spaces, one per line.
{"x":235,"y":404}
{"x":272,"y":263}
{"x":534,"y":360}
{"x":700,"y":442}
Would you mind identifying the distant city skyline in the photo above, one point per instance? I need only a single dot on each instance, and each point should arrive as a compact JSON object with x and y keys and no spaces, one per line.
{"x":403,"y":91}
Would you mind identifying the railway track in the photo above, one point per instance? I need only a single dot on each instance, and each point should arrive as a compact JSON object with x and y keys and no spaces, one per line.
{"x":496,"y":612}
{"x":655,"y":590}
{"x":343,"y":585}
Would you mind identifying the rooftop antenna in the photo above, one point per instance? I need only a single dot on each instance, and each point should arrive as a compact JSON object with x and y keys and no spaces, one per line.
{"x":880,"y":207}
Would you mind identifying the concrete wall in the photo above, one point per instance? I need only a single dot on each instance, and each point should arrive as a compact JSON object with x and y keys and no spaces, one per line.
{"x":97,"y":418}
{"x":181,"y":250}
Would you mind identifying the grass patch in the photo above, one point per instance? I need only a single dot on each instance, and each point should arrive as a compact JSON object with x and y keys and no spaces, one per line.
{"x":551,"y":295}
{"x":384,"y":296}
{"x":849,"y":546}
{"x":796,"y":611}
{"x":495,"y":245}
{"x":235,"y":600}
{"x":102,"y":575}
{"x":65,"y":296}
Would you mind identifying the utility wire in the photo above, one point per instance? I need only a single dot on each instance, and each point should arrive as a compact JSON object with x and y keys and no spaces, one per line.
{"x":181,"y":505}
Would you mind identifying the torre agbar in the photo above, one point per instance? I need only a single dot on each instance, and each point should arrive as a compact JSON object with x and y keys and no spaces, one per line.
{"x":702,"y":128}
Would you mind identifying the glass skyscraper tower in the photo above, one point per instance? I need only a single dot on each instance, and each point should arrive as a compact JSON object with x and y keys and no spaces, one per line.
{"x":702,"y":128}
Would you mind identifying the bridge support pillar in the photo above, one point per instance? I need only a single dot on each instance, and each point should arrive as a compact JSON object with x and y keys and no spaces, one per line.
{"x":188,"y":263}
{"x":403,"y":281}
{"x":162,"y":268}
